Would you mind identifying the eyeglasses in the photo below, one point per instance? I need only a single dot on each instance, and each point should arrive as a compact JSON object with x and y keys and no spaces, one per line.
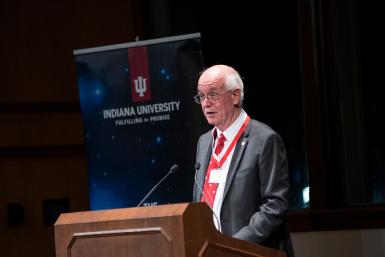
{"x":212,"y":97}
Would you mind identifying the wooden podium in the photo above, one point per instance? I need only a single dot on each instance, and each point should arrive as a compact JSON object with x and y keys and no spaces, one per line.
{"x":176,"y":230}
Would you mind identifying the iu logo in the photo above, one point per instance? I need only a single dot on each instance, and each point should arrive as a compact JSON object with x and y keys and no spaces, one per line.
{"x":139,"y":72}
{"x":140,"y":86}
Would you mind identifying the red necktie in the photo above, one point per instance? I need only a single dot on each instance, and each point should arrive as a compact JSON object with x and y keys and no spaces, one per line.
{"x":220,"y":144}
{"x":210,"y":189}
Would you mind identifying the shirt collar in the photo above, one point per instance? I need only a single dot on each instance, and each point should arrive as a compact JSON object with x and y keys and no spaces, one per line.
{"x":232,"y":130}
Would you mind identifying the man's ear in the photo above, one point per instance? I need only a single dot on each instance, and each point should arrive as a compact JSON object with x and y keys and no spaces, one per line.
{"x":237,"y":97}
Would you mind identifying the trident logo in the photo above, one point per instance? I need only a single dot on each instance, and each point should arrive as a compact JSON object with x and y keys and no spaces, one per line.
{"x":140,"y":86}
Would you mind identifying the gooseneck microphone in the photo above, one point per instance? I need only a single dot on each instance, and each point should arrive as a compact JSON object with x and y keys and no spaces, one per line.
{"x":174,"y":168}
{"x":197,"y":167}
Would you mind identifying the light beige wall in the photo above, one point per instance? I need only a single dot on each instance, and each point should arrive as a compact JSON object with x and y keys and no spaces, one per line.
{"x":346,"y":243}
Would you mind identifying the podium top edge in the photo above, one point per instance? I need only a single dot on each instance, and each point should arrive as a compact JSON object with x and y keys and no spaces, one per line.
{"x":135,"y":44}
{"x":123,"y":213}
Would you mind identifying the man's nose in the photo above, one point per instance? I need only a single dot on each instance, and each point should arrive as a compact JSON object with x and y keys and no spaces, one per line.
{"x":205,"y":102}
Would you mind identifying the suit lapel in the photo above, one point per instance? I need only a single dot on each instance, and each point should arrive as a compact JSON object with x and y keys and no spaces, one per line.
{"x":237,"y":156}
{"x":206,"y":149}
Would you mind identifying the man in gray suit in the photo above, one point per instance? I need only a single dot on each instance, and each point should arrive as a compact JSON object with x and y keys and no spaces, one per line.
{"x":242,"y":171}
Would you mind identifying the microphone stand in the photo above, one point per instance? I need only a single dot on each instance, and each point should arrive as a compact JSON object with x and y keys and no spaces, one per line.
{"x":173,"y":169}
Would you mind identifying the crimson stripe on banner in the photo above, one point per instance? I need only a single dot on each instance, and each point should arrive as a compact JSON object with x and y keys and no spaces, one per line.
{"x":139,"y":74}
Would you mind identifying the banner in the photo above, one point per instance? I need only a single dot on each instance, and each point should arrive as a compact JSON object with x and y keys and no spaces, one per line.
{"x":140,"y":119}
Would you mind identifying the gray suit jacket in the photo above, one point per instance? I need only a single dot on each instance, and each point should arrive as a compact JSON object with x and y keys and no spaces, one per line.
{"x":255,"y":198}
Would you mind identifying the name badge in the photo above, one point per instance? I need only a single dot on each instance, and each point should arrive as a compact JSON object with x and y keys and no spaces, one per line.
{"x":217,"y":176}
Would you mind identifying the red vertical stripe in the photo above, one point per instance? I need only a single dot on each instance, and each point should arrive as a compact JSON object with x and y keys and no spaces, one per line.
{"x":139,"y":74}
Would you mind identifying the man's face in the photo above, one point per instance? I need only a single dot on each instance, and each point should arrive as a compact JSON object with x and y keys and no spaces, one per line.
{"x":218,"y":107}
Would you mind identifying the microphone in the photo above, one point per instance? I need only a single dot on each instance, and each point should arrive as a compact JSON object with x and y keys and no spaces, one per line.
{"x":174,"y":168}
{"x":197,"y":167}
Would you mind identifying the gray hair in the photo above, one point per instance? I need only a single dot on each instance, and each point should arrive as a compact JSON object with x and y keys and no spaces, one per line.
{"x":234,"y":81}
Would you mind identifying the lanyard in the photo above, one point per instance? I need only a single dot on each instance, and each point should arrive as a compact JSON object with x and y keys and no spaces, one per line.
{"x":235,"y":140}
